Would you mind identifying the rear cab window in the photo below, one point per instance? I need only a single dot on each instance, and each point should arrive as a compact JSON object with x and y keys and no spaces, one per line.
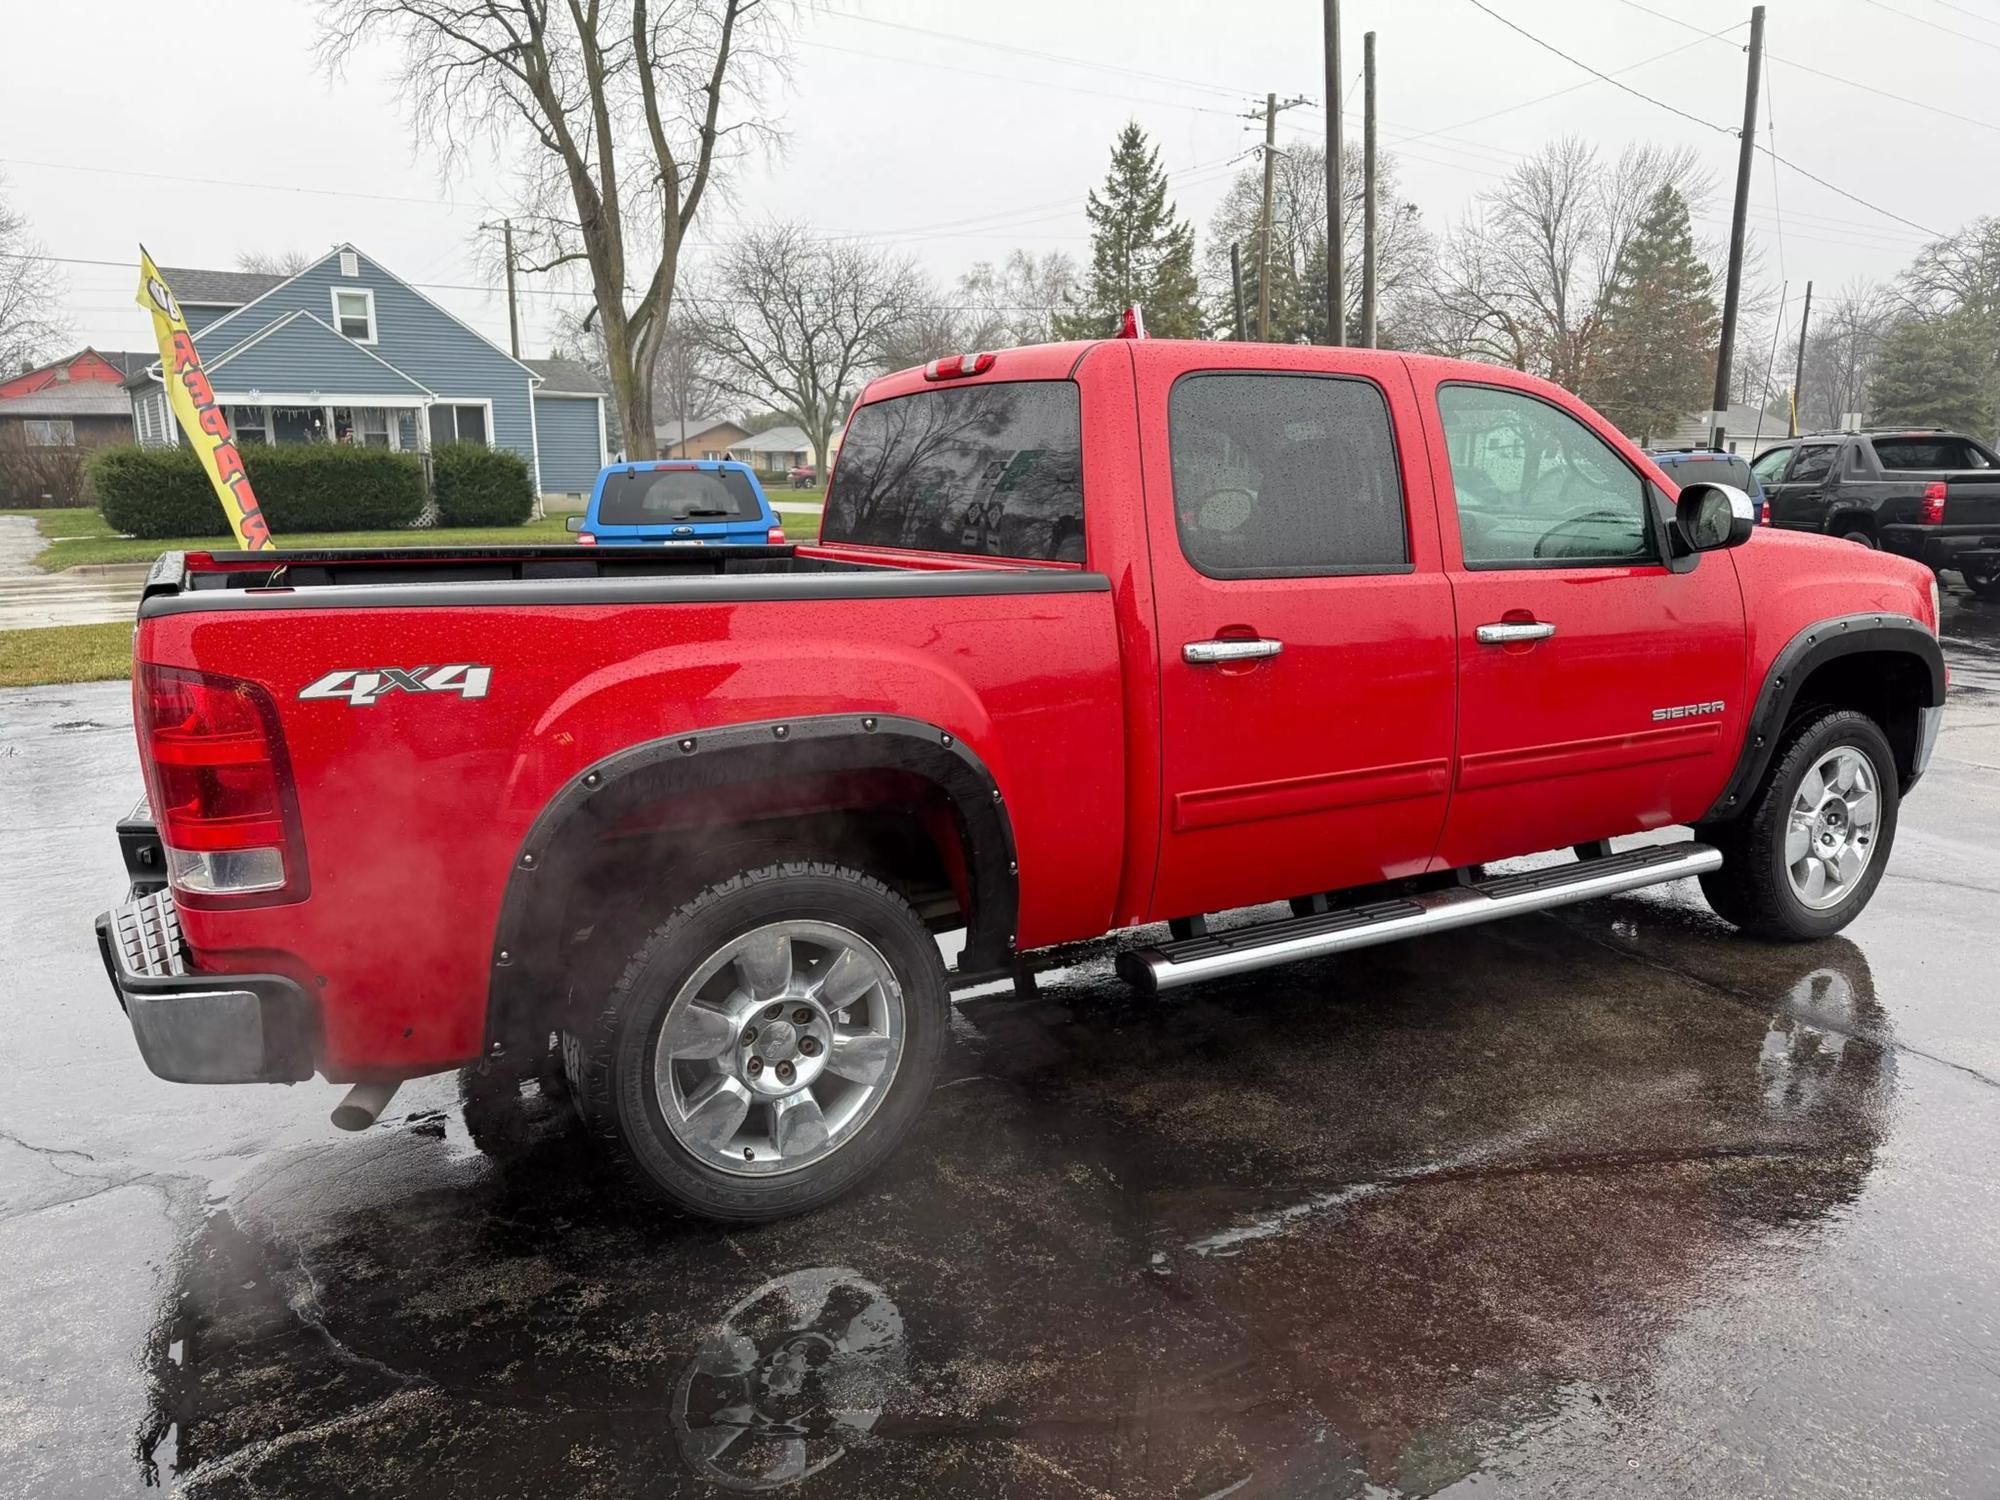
{"x":1927,"y":451}
{"x":1708,"y":468}
{"x":660,"y":497}
{"x":993,"y":470}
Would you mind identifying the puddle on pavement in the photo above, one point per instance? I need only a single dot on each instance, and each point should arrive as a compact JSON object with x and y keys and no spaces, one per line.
{"x":1319,"y":1230}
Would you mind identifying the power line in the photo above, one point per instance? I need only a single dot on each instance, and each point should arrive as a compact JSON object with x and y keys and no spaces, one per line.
{"x":1635,"y":93}
{"x":1982,"y":20}
{"x":1964,"y":36}
{"x":1706,"y":124}
{"x":1852,"y":83}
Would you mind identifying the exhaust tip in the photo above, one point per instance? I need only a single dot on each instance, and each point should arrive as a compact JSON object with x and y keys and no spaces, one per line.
{"x":363,"y":1104}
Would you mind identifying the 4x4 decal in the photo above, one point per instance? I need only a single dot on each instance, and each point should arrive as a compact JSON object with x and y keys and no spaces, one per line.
{"x":362,"y":688}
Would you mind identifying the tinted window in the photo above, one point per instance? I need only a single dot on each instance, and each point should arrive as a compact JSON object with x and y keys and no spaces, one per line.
{"x":1815,"y":461}
{"x":1930,"y":453}
{"x":993,"y":470}
{"x":677,"y":496}
{"x":1285,"y":475}
{"x":1533,"y":484}
{"x":1770,"y":467}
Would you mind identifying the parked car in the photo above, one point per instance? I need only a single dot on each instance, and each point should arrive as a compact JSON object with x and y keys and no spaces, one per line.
{"x":804,"y":476}
{"x":1686,"y":465}
{"x":1342,"y":628}
{"x":699,"y":501}
{"x":1925,"y":493}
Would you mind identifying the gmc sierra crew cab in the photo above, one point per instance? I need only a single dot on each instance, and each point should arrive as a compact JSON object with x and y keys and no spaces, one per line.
{"x":1094,"y":635}
{"x":1925,"y":493}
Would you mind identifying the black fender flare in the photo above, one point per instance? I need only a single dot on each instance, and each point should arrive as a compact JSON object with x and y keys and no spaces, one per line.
{"x":1813,"y":647}
{"x":595,"y":797}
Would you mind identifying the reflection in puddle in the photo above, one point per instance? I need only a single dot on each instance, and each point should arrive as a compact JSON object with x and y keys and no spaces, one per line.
{"x":791,"y":1376}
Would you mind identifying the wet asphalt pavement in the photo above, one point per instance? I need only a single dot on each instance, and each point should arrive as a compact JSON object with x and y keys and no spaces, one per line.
{"x":1607,"y":1201}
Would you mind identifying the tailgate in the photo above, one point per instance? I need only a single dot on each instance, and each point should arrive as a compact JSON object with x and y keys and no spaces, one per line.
{"x":1971,"y":500}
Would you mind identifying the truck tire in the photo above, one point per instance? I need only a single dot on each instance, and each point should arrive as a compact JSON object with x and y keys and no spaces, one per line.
{"x":1807,"y":854}
{"x":1850,"y":531}
{"x":1983,"y":582}
{"x":769,"y":1044}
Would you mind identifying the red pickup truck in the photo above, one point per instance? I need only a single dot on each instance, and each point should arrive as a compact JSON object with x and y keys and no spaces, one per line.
{"x":1094,"y":635}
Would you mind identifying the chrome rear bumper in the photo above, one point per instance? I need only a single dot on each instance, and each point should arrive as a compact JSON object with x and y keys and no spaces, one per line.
{"x":202,"y":1028}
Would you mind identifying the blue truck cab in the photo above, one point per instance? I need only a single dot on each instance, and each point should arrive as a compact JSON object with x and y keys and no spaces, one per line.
{"x":677,"y":501}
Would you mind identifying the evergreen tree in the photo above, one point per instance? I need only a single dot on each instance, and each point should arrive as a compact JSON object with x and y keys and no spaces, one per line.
{"x":1936,"y":371}
{"x":1142,"y":252}
{"x":1660,"y":327}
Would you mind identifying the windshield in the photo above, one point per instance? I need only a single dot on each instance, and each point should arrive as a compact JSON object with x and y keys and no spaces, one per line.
{"x":994,"y":470}
{"x":680,"y":496}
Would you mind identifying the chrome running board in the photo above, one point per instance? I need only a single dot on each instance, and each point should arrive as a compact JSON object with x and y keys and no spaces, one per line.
{"x":1194,"y":960}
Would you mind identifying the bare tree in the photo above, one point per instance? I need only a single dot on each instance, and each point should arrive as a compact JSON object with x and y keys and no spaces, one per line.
{"x":618,"y":108}
{"x":685,"y":383}
{"x":1019,"y":299}
{"x":31,"y":289}
{"x":1527,"y":278}
{"x":274,"y":263}
{"x":797,"y":323}
{"x":1298,"y":241}
{"x":1841,"y":349}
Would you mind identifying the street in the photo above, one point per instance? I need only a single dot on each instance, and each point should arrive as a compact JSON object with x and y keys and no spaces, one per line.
{"x":1608,"y":1201}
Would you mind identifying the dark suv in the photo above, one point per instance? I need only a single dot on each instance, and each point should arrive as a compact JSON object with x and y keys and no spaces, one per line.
{"x":1926,"y":493}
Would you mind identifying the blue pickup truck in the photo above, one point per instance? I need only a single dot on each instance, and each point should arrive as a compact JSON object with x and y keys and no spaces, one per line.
{"x":675,"y":500}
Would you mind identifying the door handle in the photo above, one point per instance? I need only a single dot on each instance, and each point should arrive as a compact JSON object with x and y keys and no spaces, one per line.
{"x":1509,"y":631}
{"x":1208,"y":653}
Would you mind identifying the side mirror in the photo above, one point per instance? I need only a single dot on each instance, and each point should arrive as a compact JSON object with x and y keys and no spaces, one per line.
{"x":1709,"y":516}
{"x":573,"y":523}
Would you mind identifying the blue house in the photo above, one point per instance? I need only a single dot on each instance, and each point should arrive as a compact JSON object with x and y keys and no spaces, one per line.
{"x":348,"y":352}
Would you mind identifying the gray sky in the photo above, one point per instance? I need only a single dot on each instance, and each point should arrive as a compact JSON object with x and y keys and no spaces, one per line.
{"x":982,"y":128}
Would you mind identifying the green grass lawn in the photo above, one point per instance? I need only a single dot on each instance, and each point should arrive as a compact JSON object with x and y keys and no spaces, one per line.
{"x":65,"y":653}
{"x":78,"y":537}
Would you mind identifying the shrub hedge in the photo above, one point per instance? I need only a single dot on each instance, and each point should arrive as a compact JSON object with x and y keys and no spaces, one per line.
{"x":480,"y":486}
{"x":162,"y":492}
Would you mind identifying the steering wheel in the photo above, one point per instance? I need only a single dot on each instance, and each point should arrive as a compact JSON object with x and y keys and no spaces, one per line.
{"x":1584,"y":517}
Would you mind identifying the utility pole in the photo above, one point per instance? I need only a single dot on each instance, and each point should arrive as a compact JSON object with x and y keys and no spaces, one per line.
{"x":1270,"y":118}
{"x":1368,"y":190}
{"x":1799,"y":369}
{"x":1745,"y":158}
{"x":506,"y":228}
{"x":1236,"y":282}
{"x":1336,"y":256}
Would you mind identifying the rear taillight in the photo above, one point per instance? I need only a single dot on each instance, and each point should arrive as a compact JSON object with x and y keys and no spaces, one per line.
{"x":1933,"y":512}
{"x":221,"y":788}
{"x":585,"y":539}
{"x":1764,"y":514}
{"x":775,"y":537}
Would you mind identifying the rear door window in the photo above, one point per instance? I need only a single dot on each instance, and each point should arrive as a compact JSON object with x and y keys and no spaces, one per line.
{"x":679,"y":497}
{"x":1814,"y":463}
{"x":1285,"y":476}
{"x":990,"y":470}
{"x":1927,"y":452}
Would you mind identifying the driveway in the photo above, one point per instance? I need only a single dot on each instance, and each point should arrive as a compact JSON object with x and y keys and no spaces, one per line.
{"x":1601,"y":1202}
{"x":107,"y":594}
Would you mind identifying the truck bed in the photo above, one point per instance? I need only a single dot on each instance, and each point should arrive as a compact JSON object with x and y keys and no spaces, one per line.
{"x":416,"y":577}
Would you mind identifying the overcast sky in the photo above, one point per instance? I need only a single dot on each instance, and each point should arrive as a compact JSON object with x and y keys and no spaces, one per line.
{"x":958,"y":132}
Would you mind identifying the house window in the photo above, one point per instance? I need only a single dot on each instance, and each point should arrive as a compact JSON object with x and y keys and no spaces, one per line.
{"x":249,"y":425}
{"x":362,"y":426}
{"x":354,"y":313}
{"x":710,"y":455}
{"x":49,"y":434}
{"x":458,"y":424}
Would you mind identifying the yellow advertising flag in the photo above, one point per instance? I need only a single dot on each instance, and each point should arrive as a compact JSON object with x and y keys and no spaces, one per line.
{"x":193,"y":401}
